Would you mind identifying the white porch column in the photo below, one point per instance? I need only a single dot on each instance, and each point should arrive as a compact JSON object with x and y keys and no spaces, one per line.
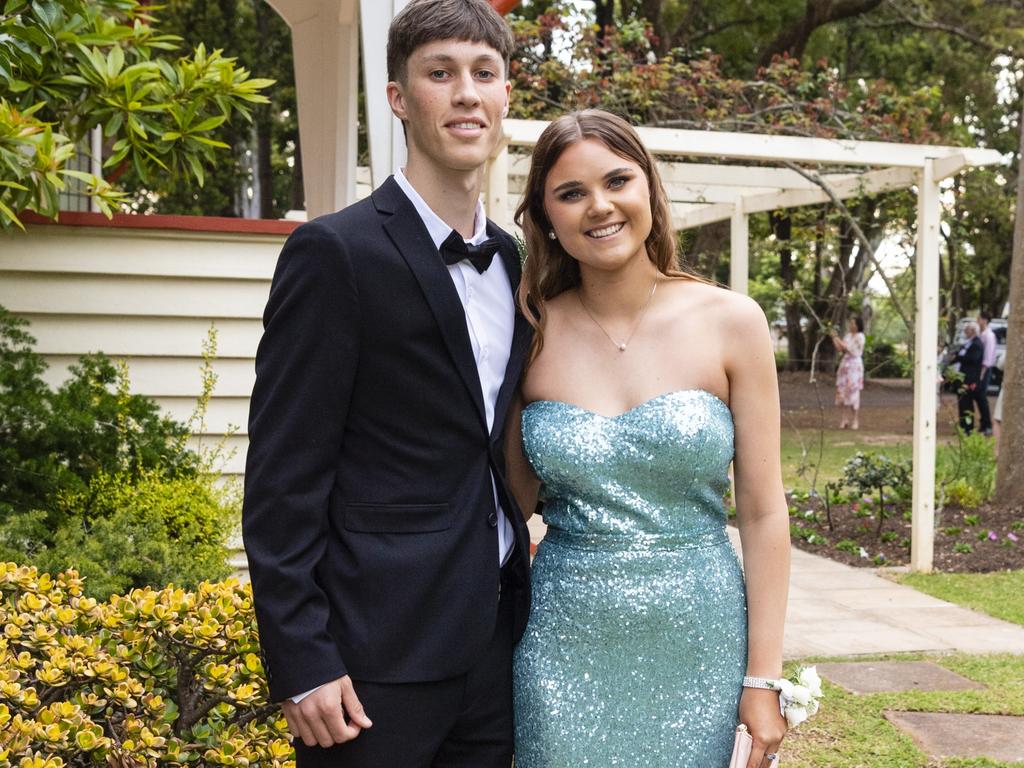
{"x":383,"y":129}
{"x":739,"y":249}
{"x":325,"y":40}
{"x":925,"y":351}
{"x":496,"y":187}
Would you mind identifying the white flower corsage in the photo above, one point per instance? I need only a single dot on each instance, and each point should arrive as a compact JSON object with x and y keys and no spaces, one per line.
{"x":798,"y":696}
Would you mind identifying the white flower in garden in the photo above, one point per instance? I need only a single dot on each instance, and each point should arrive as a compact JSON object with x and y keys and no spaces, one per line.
{"x":795,"y":715}
{"x":809,"y":678}
{"x":863,"y":552}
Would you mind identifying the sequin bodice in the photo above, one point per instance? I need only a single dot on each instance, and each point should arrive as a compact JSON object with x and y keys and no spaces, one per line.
{"x":636,"y":645}
{"x":657,"y":470}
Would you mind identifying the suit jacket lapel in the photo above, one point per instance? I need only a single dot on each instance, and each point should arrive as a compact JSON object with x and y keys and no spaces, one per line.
{"x":406,"y":230}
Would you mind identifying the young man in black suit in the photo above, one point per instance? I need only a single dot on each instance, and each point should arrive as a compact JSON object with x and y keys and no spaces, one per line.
{"x":388,"y":561}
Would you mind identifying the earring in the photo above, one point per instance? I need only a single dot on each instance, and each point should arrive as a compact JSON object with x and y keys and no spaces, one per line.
{"x":552,"y":235}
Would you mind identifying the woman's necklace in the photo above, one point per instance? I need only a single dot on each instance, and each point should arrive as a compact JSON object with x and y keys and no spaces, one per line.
{"x":621,"y":345}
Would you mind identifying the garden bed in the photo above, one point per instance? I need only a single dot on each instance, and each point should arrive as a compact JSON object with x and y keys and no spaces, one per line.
{"x":987,"y":538}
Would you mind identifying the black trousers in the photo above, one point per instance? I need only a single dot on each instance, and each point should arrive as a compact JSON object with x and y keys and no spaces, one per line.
{"x":968,"y":399}
{"x":464,"y":722}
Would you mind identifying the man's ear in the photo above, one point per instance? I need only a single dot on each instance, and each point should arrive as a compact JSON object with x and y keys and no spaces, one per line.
{"x":508,"y":91}
{"x":396,"y":98}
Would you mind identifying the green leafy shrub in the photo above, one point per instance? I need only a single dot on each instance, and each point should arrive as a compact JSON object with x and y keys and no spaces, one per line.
{"x":883,"y":360}
{"x":165,"y":677}
{"x":123,"y":532}
{"x":872,"y":473}
{"x":97,"y":479}
{"x":55,"y":441}
{"x":966,"y":471}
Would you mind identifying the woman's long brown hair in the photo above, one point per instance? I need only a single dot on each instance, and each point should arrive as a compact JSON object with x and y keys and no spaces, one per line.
{"x":549,"y":270}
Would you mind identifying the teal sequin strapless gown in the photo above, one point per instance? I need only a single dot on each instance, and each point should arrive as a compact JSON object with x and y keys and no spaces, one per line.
{"x":636,"y":646}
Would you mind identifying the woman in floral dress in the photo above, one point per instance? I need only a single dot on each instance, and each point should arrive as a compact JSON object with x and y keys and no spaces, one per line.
{"x":850,"y":376}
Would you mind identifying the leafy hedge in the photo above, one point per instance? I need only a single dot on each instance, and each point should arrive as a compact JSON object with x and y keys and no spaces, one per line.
{"x":167,"y":677}
{"x":95,"y":478}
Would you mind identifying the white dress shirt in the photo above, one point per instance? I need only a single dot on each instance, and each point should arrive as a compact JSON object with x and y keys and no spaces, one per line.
{"x":490,"y":318}
{"x":988,"y":341}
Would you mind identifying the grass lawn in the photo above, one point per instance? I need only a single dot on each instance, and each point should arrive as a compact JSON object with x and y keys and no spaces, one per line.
{"x":800,"y":453}
{"x":850,"y":731}
{"x":999,"y":594}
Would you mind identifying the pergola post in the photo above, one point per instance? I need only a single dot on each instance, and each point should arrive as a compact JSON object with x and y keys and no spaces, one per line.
{"x":739,"y":249}
{"x":496,"y":187}
{"x":325,"y":41}
{"x":925,"y":350}
{"x":383,"y":129}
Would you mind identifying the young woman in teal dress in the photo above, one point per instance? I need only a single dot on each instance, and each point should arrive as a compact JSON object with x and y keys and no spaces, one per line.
{"x":646,"y":383}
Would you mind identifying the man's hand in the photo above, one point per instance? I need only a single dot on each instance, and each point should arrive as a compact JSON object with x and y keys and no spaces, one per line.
{"x":320,"y":718}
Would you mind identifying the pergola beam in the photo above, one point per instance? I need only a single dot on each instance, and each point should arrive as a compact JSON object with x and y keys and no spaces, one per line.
{"x":755,"y":146}
{"x":844,"y":187}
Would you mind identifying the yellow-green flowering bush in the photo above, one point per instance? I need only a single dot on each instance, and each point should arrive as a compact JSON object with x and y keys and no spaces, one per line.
{"x":168,"y":677}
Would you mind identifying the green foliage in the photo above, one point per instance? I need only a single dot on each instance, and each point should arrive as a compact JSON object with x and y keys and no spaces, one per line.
{"x":618,"y":71}
{"x":123,"y":532}
{"x":95,"y":478}
{"x":263,"y":153}
{"x":872,"y":473}
{"x":966,"y":472}
{"x":884,"y":360}
{"x":55,"y":441}
{"x":165,"y":677}
{"x":67,"y":66}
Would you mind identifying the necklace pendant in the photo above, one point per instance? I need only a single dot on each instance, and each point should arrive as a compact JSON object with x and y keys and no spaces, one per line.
{"x":622,"y":347}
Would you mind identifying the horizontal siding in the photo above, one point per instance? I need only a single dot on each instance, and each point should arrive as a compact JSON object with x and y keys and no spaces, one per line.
{"x":149,"y":297}
{"x":142,"y":336}
{"x":171,"y":376}
{"x":133,"y":295}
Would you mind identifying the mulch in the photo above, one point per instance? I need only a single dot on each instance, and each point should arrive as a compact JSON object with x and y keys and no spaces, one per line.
{"x":966,"y":540}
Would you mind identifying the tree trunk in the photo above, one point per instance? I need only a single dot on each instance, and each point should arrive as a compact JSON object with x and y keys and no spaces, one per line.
{"x":818,"y":13}
{"x":604,"y":15}
{"x":708,"y":246}
{"x":782,"y":228}
{"x":1010,"y":469}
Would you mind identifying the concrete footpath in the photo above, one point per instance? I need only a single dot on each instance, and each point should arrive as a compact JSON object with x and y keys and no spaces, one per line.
{"x":838,"y":610}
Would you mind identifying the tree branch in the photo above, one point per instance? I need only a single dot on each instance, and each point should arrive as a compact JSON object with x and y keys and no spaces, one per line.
{"x":861,"y":237}
{"x":817,"y":14}
{"x":712,"y":31}
{"x":938,"y":26}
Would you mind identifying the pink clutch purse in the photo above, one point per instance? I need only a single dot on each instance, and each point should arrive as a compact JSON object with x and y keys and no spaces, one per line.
{"x":741,"y":749}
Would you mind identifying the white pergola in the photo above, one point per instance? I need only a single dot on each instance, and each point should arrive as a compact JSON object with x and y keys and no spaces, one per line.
{"x":326,"y":36}
{"x":702,"y":193}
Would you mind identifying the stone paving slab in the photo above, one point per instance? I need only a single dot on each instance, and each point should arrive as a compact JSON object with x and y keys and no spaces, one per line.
{"x":998,"y":737}
{"x":895,"y":676}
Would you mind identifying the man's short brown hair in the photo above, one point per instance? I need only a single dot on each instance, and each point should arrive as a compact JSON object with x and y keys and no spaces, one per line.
{"x":424,"y":21}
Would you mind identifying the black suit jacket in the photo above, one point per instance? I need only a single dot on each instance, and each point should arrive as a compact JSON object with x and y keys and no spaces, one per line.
{"x":369,"y":517}
{"x":970,"y":356}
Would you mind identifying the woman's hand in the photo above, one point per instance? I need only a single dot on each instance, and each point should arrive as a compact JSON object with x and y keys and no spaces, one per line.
{"x":759,"y":711}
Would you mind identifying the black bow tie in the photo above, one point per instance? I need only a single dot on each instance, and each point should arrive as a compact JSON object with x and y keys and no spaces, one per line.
{"x":454,"y":249}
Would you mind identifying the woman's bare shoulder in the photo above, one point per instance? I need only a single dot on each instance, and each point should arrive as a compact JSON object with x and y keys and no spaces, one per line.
{"x":719,"y":305}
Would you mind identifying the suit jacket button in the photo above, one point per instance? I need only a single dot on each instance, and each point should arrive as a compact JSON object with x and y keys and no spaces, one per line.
{"x":492,"y":519}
